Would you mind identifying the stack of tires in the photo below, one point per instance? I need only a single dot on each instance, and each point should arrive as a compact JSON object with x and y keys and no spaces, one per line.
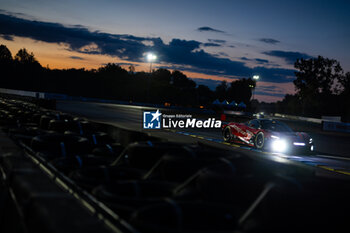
{"x":167,"y":187}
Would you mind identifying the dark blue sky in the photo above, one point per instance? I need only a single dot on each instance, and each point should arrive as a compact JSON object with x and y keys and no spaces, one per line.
{"x":228,"y":39}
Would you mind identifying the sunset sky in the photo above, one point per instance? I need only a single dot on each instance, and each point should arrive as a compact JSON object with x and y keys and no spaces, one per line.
{"x":209,"y":41}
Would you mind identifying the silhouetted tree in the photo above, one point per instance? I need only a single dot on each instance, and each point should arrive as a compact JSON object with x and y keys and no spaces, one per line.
{"x":181,"y":81}
{"x":221,"y":91}
{"x":5,"y":54}
{"x":345,"y":82}
{"x":241,"y":90}
{"x":28,"y":71}
{"x":317,"y":80}
{"x":6,"y":65}
{"x":131,"y":69}
{"x":204,"y":95}
{"x":25,"y":58}
{"x":290,"y":105}
{"x":159,"y":86}
{"x":317,"y":75}
{"x":345,"y":96}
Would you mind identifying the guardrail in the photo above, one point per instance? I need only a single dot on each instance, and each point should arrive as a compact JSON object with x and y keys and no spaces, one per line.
{"x":309,"y":119}
{"x":238,"y":113}
{"x":40,"y":95}
{"x":58,"y":96}
{"x":329,"y":123}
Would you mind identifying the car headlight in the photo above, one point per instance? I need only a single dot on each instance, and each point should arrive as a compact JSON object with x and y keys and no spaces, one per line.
{"x":279,"y":145}
{"x":310,"y":140}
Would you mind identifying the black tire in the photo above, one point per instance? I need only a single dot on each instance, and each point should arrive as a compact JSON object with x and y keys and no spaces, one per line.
{"x":226,"y":134}
{"x":53,"y":143}
{"x":44,"y":122}
{"x":57,"y":126}
{"x":259,"y":140}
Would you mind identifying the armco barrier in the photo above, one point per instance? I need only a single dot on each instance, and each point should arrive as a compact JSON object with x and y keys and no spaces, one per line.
{"x":309,"y":119}
{"x":332,"y":118}
{"x":336,"y":126}
{"x":57,"y":96}
{"x":23,"y":93}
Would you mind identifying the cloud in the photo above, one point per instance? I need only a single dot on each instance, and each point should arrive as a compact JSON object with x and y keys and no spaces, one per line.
{"x":127,"y":64}
{"x":269,"y":40}
{"x":211,"y":45}
{"x":217,"y":41}
{"x":269,"y":90}
{"x":221,"y":42}
{"x":122,"y":64}
{"x":209,"y":29}
{"x":289,"y":56}
{"x":261,"y":61}
{"x":77,"y":58}
{"x":182,"y":54}
{"x":78,"y":38}
{"x":257,"y":60}
{"x":223,"y":54}
{"x":269,"y":94}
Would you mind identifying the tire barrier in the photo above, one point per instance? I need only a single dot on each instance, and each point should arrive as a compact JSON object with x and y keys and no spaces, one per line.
{"x":131,"y":195}
{"x":89,"y":178}
{"x":172,"y":216}
{"x":69,"y":174}
{"x":67,"y":164}
{"x":143,"y":155}
{"x":44,"y":122}
{"x":60,"y":144}
{"x":110,"y":150}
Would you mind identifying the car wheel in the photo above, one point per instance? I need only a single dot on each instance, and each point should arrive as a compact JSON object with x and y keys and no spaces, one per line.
{"x":259,"y":140}
{"x":227,"y":134}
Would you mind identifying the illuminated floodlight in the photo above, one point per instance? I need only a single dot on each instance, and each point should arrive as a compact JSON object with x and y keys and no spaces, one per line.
{"x":279,"y":146}
{"x":151,"y":57}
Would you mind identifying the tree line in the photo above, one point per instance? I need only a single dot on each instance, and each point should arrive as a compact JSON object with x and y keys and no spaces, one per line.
{"x":322,"y":86}
{"x":111,"y":81}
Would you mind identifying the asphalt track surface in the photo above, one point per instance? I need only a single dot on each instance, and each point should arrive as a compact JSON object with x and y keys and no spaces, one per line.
{"x":332,"y":149}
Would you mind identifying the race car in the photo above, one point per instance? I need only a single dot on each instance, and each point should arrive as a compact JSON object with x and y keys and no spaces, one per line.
{"x":267,"y":134}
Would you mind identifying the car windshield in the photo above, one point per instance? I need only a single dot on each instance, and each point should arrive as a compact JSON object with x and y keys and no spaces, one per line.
{"x":275,"y":126}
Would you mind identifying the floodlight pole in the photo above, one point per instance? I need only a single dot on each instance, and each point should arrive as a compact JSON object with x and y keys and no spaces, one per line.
{"x":150,"y":58}
{"x":256,"y":78}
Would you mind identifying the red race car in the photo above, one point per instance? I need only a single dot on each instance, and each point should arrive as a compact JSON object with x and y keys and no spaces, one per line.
{"x":267,"y":134}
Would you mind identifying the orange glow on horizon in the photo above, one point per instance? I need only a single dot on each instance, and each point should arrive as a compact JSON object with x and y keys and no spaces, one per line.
{"x":195,"y":75}
{"x":58,"y":56}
